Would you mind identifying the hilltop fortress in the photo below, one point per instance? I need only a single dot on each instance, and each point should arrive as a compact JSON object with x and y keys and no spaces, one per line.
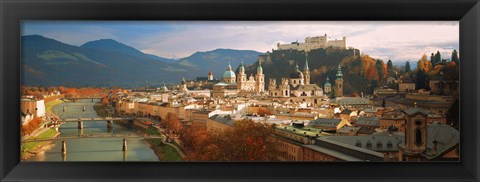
{"x":319,"y":42}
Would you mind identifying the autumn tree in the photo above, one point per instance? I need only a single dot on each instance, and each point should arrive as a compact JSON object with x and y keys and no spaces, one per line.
{"x":172,"y":122}
{"x":264,"y":112}
{"x":104,"y":100}
{"x":192,"y":137}
{"x":245,"y":141}
{"x":424,"y":65}
{"x":372,"y":74}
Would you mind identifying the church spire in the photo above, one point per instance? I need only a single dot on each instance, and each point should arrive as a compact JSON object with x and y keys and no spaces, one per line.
{"x":229,"y":68}
{"x":339,"y":73}
{"x":306,"y":62}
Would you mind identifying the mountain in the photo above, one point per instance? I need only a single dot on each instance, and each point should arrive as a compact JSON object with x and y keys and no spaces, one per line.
{"x":106,"y":62}
{"x":110,"y":45}
{"x":217,"y":60}
{"x":47,"y":62}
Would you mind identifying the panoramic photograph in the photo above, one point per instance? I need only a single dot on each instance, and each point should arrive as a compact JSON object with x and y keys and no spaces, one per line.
{"x":233,"y":91}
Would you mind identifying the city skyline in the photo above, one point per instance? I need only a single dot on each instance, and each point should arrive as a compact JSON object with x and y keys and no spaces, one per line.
{"x":398,"y":41}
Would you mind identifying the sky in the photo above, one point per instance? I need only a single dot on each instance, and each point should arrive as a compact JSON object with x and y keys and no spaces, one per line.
{"x":396,"y":40}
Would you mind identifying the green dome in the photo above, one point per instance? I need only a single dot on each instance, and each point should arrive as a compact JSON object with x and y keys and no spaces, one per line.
{"x":229,"y":74}
{"x":259,"y":69}
{"x":328,"y":84}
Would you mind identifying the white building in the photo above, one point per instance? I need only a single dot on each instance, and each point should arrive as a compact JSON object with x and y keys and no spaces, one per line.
{"x":311,"y":43}
{"x":40,"y":108}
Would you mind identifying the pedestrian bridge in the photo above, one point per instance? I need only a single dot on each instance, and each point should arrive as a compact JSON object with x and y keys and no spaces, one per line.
{"x":64,"y":139}
{"x":92,"y":136}
{"x":94,"y":119}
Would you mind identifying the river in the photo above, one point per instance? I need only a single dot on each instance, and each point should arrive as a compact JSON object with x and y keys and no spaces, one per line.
{"x":93,"y":149}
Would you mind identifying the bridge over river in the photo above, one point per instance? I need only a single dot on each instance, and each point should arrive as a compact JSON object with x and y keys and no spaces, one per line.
{"x":92,"y":141}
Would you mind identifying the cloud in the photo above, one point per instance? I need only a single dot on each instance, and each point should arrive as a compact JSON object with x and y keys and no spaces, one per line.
{"x":398,"y":41}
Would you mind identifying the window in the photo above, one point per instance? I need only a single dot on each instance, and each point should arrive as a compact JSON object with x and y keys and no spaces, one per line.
{"x":418,"y":122}
{"x":418,"y":137}
{"x":369,"y":144}
{"x":379,"y":144}
{"x":358,"y":144}
{"x":389,"y":144}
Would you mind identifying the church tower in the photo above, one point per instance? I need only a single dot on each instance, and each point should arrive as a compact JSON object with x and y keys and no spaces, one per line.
{"x":259,"y":79}
{"x":327,"y":87}
{"x":415,"y":134}
{"x":339,"y":83}
{"x":306,"y":70}
{"x":210,"y":75}
{"x":272,"y":85}
{"x":242,"y":77}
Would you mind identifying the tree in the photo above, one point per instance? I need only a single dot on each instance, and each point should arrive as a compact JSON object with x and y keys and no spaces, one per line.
{"x":379,"y":67}
{"x":455,"y":57}
{"x":438,"y":58}
{"x":424,"y":65}
{"x":390,"y":67}
{"x":453,"y":117}
{"x":372,"y":74}
{"x":264,"y":112}
{"x":407,"y":67}
{"x":172,"y":123}
{"x":245,"y":141}
{"x":421,"y":81}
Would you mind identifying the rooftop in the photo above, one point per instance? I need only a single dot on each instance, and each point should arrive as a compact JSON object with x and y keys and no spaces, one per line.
{"x":304,"y":131}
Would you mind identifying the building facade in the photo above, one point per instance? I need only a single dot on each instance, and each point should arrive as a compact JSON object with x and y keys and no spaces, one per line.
{"x":311,"y":43}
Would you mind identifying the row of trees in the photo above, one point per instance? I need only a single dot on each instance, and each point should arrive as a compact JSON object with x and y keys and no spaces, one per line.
{"x":38,"y":92}
{"x":31,"y":126}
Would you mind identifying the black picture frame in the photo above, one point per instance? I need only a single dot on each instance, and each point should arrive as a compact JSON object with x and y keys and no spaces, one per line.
{"x":14,"y":11}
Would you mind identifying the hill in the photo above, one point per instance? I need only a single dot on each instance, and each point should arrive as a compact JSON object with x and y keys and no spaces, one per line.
{"x":106,"y":62}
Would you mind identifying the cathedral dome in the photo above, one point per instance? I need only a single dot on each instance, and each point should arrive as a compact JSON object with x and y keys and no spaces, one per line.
{"x":328,"y":84}
{"x":229,"y":74}
{"x":296,"y":75}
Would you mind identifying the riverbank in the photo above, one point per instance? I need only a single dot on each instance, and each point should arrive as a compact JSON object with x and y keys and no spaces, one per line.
{"x":31,"y":149}
{"x":49,"y":106}
{"x":163,"y":151}
{"x":100,"y":109}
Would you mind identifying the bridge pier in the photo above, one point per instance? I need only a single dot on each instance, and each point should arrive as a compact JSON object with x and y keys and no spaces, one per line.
{"x":109,"y":124}
{"x":80,"y":125}
{"x":124,"y":147}
{"x":64,"y":147}
{"x":80,"y":132}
